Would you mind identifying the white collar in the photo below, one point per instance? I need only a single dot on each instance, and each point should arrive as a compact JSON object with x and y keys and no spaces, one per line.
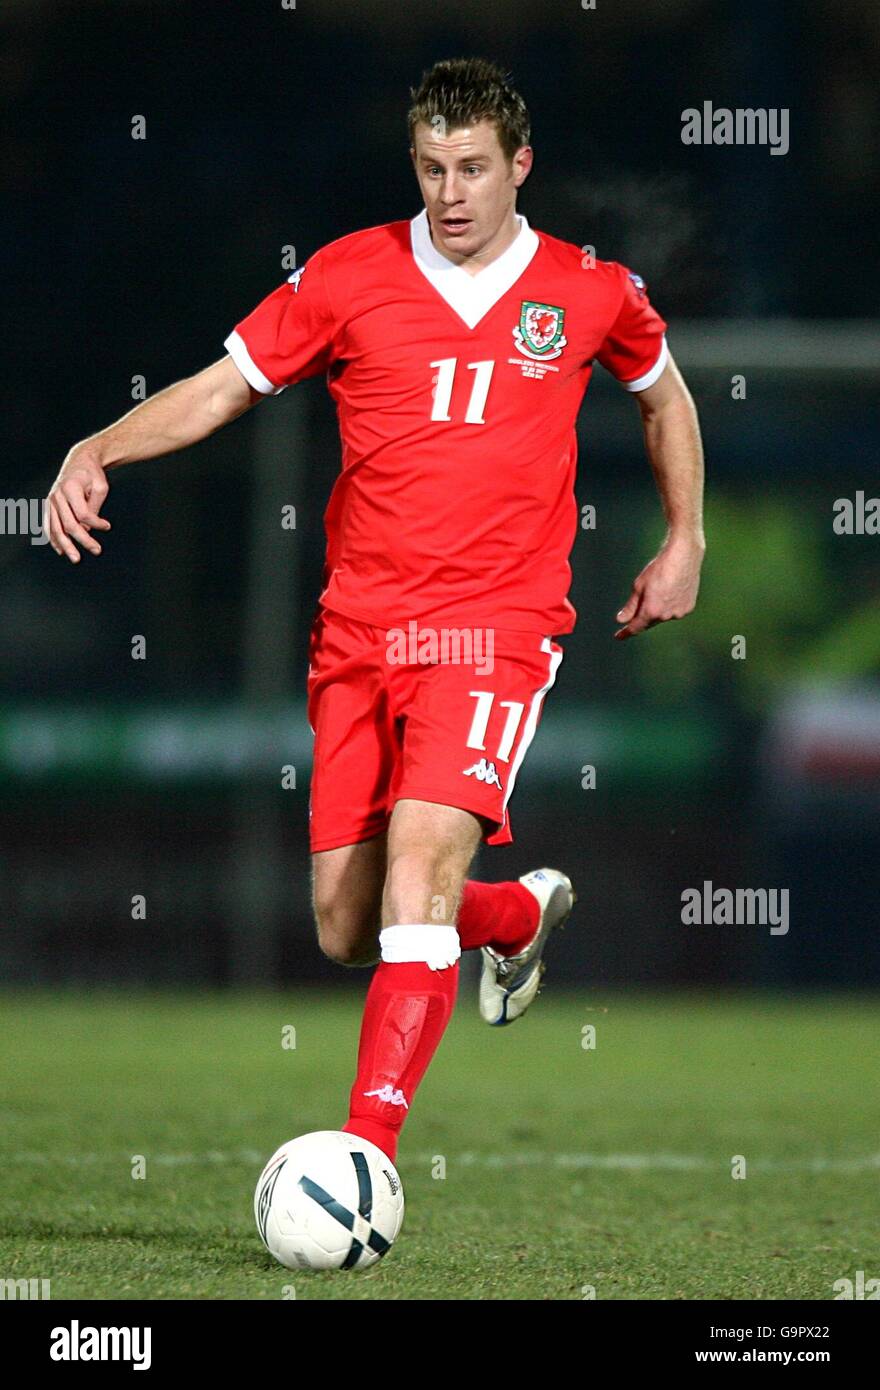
{"x":471,"y":296}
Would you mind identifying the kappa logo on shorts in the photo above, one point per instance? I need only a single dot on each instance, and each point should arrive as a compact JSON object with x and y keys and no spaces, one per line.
{"x":484,"y":772}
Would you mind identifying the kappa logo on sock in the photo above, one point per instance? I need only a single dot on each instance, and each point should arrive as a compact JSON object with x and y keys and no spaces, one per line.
{"x":484,"y":772}
{"x":389,"y":1095}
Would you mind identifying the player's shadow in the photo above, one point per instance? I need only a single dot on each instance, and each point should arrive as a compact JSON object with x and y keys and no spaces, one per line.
{"x":140,"y":1235}
{"x":232,"y":1249}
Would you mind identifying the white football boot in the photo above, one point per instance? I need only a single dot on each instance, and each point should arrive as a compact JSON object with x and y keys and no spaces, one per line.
{"x":508,"y":984}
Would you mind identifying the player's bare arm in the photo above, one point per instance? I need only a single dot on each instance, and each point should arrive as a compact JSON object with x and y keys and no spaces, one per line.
{"x":667,"y":587}
{"x":173,"y":419}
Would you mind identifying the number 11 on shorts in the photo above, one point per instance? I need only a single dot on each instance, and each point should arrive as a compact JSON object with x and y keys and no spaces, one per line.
{"x":480,"y":722}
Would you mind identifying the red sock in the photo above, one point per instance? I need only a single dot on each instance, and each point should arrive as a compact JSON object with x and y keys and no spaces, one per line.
{"x":407,"y":1009}
{"x":502,"y":915}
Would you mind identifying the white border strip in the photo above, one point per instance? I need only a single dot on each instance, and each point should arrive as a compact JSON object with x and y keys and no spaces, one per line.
{"x":531,"y":721}
{"x":237,"y":349}
{"x":472,"y":296}
{"x":642,"y":383}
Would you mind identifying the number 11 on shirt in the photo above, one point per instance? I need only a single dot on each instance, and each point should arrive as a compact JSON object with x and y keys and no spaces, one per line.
{"x":479,"y":391}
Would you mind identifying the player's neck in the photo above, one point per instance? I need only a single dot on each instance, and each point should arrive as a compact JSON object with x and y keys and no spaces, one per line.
{"x":505,"y":236}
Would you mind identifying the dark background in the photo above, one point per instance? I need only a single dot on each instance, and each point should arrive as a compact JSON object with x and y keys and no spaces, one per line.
{"x":269,"y":128}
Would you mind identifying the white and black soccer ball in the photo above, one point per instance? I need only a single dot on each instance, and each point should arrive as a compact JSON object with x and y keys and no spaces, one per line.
{"x":328,"y":1200}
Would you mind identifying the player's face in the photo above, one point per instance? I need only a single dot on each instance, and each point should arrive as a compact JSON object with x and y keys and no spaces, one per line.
{"x":469,"y":187}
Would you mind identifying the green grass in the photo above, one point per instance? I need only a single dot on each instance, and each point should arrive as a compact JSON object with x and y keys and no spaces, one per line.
{"x":202,"y":1088}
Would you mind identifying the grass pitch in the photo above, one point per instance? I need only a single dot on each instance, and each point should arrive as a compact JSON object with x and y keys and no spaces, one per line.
{"x":566,"y":1168}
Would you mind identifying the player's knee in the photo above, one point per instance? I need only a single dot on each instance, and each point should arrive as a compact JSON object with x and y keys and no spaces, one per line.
{"x":346,"y":938}
{"x":342,"y":950}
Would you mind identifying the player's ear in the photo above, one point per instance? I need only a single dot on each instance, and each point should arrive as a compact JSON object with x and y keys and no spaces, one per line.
{"x":522,"y":165}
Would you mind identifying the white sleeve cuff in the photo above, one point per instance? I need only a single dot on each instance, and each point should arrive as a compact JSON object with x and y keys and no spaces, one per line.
{"x":237,"y":349}
{"x":642,"y":383}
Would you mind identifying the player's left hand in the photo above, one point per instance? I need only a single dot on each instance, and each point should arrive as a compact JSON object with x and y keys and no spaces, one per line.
{"x":666,"y":588}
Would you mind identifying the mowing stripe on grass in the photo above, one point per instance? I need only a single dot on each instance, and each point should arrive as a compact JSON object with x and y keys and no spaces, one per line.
{"x":620,"y":1162}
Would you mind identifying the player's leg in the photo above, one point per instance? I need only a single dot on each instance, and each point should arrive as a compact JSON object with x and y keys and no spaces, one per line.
{"x":468,"y":733}
{"x":347,"y":885}
{"x":412,"y":992}
{"x":511,"y":978}
{"x":354,"y":752}
{"x":347,"y":893}
{"x":501,"y":915}
{"x":430,"y":849}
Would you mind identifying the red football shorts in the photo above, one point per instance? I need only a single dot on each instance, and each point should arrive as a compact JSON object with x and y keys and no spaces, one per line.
{"x":434,"y":714}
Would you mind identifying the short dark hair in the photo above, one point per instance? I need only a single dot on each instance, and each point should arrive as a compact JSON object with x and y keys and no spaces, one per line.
{"x":463,"y":91}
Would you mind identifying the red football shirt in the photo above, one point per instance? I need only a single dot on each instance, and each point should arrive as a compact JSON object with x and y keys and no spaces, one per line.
{"x":457,"y":397}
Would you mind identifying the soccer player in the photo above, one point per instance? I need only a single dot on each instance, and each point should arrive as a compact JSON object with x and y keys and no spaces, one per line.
{"x":457,"y":346}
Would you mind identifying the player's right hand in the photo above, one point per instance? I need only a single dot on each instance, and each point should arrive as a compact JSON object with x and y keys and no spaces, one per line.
{"x":71,"y":511}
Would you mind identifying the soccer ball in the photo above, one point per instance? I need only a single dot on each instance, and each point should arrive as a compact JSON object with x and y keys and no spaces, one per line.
{"x":328,"y":1200}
